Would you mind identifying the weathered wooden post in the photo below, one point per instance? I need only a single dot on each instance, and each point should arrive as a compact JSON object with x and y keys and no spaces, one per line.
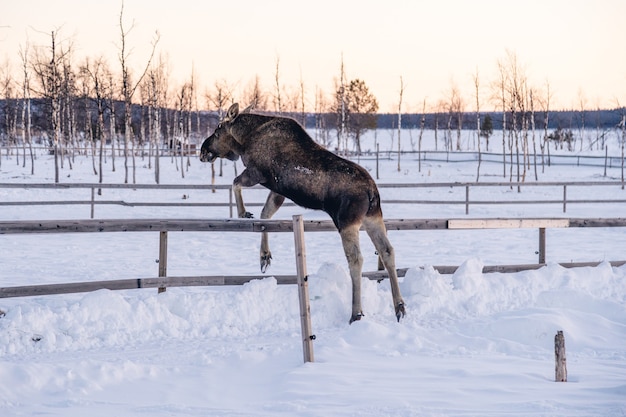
{"x":93,"y":201}
{"x":542,"y":245}
{"x":303,"y":289}
{"x":560,"y":368}
{"x":162,"y":257}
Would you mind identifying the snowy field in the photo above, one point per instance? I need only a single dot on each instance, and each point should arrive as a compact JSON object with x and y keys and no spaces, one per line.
{"x":472,"y":344}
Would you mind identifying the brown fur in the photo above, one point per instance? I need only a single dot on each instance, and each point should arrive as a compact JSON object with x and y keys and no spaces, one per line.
{"x":279,"y":154}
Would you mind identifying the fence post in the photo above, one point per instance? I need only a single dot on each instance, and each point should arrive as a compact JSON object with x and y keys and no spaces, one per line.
{"x":542,"y":245}
{"x":467,"y":199}
{"x":230,"y":201}
{"x":560,"y":366}
{"x":564,"y":198}
{"x":93,"y":198}
{"x":162,"y":257}
{"x":303,"y":289}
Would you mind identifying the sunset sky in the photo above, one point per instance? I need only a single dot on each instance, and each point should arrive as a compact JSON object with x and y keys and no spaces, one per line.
{"x":577,"y":47}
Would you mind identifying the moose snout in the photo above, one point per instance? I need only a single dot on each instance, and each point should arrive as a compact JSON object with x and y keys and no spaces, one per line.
{"x":206,"y":156}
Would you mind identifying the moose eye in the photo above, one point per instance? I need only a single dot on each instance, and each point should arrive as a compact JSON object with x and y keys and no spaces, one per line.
{"x":219,"y":125}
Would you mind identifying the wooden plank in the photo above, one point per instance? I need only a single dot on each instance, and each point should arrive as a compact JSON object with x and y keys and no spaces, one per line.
{"x":303,"y":290}
{"x":506,"y":223}
{"x":221,"y":280}
{"x":250,"y":225}
{"x":614,"y":222}
{"x":126,"y":225}
{"x":487,"y":269}
{"x":136,"y":283}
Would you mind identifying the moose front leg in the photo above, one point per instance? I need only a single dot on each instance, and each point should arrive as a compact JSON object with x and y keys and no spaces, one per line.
{"x":246,"y":179}
{"x":273,"y":203}
{"x":242,"y":213}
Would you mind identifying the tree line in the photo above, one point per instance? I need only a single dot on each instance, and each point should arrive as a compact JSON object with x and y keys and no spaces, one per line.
{"x":115,"y":111}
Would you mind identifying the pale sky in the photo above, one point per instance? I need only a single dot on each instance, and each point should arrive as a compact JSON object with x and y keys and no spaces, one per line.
{"x":578,"y":47}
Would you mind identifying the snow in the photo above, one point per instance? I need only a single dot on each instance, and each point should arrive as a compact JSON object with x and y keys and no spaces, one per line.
{"x":472,"y":344}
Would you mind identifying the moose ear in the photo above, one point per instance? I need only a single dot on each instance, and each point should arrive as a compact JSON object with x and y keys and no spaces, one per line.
{"x":232,"y":113}
{"x":249,"y":108}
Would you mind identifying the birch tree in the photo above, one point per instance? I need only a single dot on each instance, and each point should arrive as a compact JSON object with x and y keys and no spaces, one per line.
{"x":400,"y":118}
{"x":47,"y":69}
{"x":9,"y":94}
{"x":478,"y":135}
{"x":342,"y":109}
{"x":26,"y":107}
{"x":97,"y":75}
{"x":419,"y":141}
{"x":278,"y":104}
{"x":129,"y":86}
{"x":252,"y":94}
{"x":218,"y":99}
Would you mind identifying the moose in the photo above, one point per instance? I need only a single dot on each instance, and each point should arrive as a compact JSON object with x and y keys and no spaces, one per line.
{"x":278,"y":154}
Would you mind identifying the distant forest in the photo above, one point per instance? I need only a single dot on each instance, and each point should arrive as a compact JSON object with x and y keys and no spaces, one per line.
{"x":565,"y":119}
{"x":204,"y":121}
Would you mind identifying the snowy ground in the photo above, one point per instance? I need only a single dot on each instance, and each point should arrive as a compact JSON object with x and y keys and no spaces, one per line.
{"x":472,"y":344}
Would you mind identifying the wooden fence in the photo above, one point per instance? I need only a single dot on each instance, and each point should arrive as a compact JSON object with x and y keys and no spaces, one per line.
{"x":297,"y":226}
{"x":94,"y":200}
{"x":162,"y":227}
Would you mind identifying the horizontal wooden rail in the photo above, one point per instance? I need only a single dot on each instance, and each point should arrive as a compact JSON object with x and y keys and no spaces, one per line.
{"x":221,"y":280}
{"x":252,"y":225}
{"x":93,"y":201}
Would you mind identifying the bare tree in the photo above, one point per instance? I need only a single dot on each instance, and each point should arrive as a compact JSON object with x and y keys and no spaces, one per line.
{"x":26,"y":107}
{"x":48,"y":70}
{"x":454,"y":106}
{"x":222,"y":94}
{"x":500,"y":96}
{"x":8,"y":93}
{"x":69,"y":93}
{"x":110,"y":97}
{"x":98,"y":74}
{"x":475,"y":76}
{"x":302,"y":91}
{"x":156,"y":93}
{"x":129,"y":86}
{"x":400,"y":119}
{"x":419,"y":141}
{"x":86,"y":92}
{"x":582,"y":104}
{"x":278,"y":104}
{"x":219,"y":98}
{"x":254,"y":94}
{"x":546,"y":116}
{"x":532,"y":124}
{"x":322,"y":134}
{"x":342,"y":108}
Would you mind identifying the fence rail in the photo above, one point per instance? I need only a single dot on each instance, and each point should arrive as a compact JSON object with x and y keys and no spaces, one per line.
{"x":93,"y":201}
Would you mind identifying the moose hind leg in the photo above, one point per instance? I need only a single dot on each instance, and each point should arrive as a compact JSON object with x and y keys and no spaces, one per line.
{"x":272,"y":204}
{"x":375,"y":228}
{"x":351,"y":247}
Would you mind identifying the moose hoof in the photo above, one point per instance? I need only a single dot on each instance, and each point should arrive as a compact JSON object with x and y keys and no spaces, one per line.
{"x":356,"y":317}
{"x":266,"y":260}
{"x":246,"y":215}
{"x":400,"y":311}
